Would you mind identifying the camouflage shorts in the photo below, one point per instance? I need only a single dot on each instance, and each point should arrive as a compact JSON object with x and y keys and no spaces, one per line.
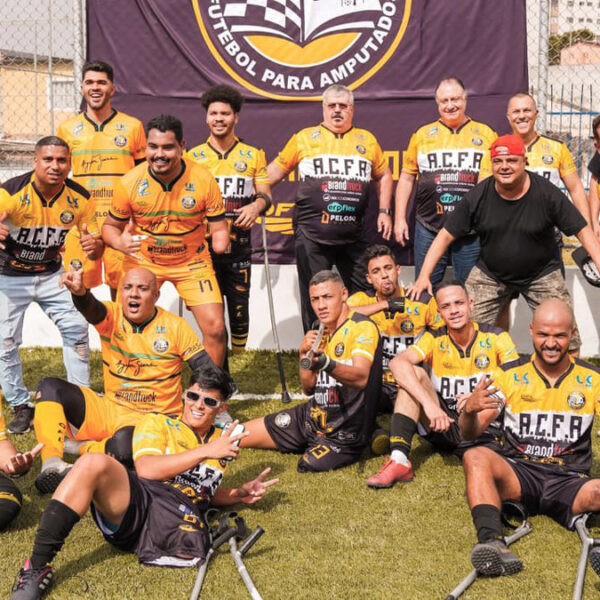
{"x":490,"y":296}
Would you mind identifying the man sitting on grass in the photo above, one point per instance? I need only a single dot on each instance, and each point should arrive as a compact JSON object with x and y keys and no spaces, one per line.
{"x":159,"y":510}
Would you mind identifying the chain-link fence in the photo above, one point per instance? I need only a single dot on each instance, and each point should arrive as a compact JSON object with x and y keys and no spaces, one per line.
{"x":41,"y":47}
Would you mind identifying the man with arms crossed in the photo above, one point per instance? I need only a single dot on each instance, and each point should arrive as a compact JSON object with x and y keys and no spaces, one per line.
{"x":343,"y":375}
{"x":158,"y":511}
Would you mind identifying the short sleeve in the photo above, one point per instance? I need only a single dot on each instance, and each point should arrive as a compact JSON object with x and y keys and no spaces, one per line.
{"x":485,"y":169}
{"x":187,"y":341}
{"x":139,"y":143}
{"x":365,"y":340}
{"x":260,"y":174}
{"x":506,"y":351}
{"x":288,"y":158}
{"x":149,"y":437}
{"x":566,"y":216}
{"x":410,"y":156}
{"x":424,"y":347}
{"x":378,"y":162}
{"x":7,"y":202}
{"x":120,"y":207}
{"x":106,"y":326}
{"x":215,"y":210}
{"x":460,"y":221}
{"x":88,"y":217}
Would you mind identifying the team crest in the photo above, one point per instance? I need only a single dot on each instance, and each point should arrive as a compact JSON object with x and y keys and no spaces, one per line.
{"x":76,"y":264}
{"x":283,"y":420}
{"x":240,"y":166}
{"x":77,"y":129}
{"x":142,"y":189}
{"x":120,"y":141}
{"x":407,"y":326}
{"x":548,"y":159}
{"x":339,"y":349}
{"x":477,"y":141}
{"x":360,"y":149}
{"x":315,"y":134}
{"x":482,"y":361}
{"x":576,"y":400}
{"x":294,"y":49}
{"x":433,"y":131}
{"x":188,"y":202}
{"x":160,"y":345}
{"x":66,"y":217}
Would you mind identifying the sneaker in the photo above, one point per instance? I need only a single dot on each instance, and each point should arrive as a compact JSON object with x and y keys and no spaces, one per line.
{"x":389,"y":474}
{"x":23,"y":419}
{"x":493,"y":558}
{"x":31,"y":583}
{"x":54,"y":470}
{"x":72,"y":447}
{"x":380,"y":442}
{"x":595,"y":559}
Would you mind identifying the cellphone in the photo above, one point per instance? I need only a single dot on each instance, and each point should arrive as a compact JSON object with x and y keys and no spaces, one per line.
{"x":239,"y":428}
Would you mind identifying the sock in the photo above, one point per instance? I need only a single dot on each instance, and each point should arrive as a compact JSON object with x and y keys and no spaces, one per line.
{"x":402,"y":430}
{"x":55,"y":525}
{"x":488,"y":524}
{"x":50,"y":426}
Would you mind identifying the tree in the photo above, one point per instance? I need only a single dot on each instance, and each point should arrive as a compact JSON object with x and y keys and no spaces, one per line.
{"x":559,"y":41}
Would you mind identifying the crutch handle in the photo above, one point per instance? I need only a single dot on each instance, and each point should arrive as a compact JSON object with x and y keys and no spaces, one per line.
{"x":251,"y":540}
{"x":224,"y":537}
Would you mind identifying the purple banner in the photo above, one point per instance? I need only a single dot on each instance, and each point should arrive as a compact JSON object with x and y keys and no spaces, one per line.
{"x":281,"y":54}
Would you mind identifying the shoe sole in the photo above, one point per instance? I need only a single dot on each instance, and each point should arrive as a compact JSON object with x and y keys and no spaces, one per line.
{"x":385,"y":486}
{"x":487,"y":560}
{"x":47,"y":482}
{"x":15,"y":432}
{"x":595,"y":562}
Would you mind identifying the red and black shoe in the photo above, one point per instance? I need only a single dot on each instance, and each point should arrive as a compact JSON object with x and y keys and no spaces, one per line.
{"x":32,"y":584}
{"x":391,"y":473}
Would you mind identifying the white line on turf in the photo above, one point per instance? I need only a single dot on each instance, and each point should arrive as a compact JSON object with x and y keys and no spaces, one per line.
{"x":266,"y":397}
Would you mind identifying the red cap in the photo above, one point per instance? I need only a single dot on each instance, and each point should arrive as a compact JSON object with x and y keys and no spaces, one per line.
{"x":507,"y":145}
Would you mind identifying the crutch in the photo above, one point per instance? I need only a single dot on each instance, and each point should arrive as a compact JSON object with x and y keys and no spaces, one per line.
{"x":237,"y":553}
{"x":587,"y":542}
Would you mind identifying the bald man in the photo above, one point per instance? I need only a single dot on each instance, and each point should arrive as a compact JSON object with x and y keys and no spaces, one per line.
{"x":143,"y":350}
{"x":546,"y":453}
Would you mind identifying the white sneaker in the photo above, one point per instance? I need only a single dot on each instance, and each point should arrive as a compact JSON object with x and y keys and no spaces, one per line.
{"x":223,"y":419}
{"x":54,"y":470}
{"x":72,"y":447}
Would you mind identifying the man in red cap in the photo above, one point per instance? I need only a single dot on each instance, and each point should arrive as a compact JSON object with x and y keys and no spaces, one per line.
{"x":514,"y":213}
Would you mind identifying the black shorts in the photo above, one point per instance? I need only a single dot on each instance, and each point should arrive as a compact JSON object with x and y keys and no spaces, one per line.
{"x":451,"y":440}
{"x":387,"y":398}
{"x":292,"y":433}
{"x":160,"y":526}
{"x":548,"y":492}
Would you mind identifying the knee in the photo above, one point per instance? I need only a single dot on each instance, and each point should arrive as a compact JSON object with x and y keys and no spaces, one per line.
{"x":119,"y":446}
{"x":10,"y":349}
{"x":475,"y":459}
{"x":51,"y":389}
{"x":90,"y":465}
{"x":10,"y":501}
{"x":215,"y":330}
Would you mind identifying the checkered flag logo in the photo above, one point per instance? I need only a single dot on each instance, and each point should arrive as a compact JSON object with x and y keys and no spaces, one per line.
{"x":301,"y":21}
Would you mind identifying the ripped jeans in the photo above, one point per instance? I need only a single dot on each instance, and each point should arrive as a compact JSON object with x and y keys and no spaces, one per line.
{"x":16,"y":294}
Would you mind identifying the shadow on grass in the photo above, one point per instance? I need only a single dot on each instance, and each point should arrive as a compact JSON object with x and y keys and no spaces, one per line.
{"x":70,"y":572}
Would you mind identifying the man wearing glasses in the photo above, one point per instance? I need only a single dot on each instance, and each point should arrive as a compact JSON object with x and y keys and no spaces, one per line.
{"x":143,"y":351}
{"x":336,"y":163}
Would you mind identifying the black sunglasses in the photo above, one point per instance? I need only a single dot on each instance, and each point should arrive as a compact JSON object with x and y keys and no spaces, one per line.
{"x":208,"y":400}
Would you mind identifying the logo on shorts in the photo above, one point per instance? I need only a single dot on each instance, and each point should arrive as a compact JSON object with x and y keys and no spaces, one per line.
{"x":283,"y":420}
{"x":76,"y":264}
{"x":120,"y":141}
{"x":240,"y":166}
{"x":407,"y":326}
{"x":66,"y":217}
{"x":576,"y":400}
{"x":160,"y":345}
{"x":188,"y":202}
{"x":360,"y":149}
{"x":548,"y":159}
{"x":339,"y":349}
{"x":477,"y":141}
{"x":482,"y":361}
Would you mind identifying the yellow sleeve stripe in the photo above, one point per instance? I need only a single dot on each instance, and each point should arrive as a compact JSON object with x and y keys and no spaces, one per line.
{"x":415,"y":347}
{"x":143,"y":451}
{"x":363,"y":352}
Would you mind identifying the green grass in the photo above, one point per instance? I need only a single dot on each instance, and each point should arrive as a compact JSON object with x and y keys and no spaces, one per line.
{"x":327,"y":536}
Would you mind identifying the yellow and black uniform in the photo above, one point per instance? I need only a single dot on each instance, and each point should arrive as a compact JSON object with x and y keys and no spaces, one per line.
{"x":142,"y":374}
{"x":38,"y":227}
{"x":547,"y":432}
{"x":447,"y":163}
{"x":10,"y":496}
{"x":335,"y":170}
{"x":166,"y":519}
{"x":173,"y":218}
{"x":333,"y":427}
{"x":238,"y":171}
{"x":457,"y":371}
{"x":398,"y":331}
{"x":100,"y":155}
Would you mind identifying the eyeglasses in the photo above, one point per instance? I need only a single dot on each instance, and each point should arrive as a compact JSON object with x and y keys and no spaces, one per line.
{"x":208,"y":400}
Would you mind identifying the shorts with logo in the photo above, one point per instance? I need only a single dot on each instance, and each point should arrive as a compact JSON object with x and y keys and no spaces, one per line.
{"x":292,"y":433}
{"x":92,"y":269}
{"x":547,"y":491}
{"x":195,"y":281}
{"x":451,"y":440}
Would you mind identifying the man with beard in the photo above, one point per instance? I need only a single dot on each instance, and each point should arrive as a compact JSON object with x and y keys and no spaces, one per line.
{"x":456,"y":356}
{"x":401,"y":321}
{"x":158,"y":220}
{"x":545,"y":457}
{"x":241,"y":171}
{"x":105,"y":143}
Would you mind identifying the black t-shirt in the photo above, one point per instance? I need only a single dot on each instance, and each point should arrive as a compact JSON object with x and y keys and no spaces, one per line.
{"x":516,"y":236}
{"x":594,"y":166}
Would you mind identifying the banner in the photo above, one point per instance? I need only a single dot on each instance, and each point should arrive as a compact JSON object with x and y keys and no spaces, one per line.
{"x":281,"y":54}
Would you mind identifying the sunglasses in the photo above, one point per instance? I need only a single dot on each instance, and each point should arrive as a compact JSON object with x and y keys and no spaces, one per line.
{"x":208,"y":400}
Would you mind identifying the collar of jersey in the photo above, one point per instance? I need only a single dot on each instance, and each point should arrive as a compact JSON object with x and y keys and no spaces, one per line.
{"x":223,"y":155}
{"x":464,"y":353}
{"x":139,"y":328}
{"x":560,"y":379}
{"x":455,"y":131}
{"x":100,"y":127}
{"x":337,"y":135}
{"x":39,"y":194}
{"x":535,"y":141}
{"x":167,"y":187}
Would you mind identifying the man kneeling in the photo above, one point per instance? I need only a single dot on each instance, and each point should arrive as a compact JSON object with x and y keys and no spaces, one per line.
{"x":334,"y":426}
{"x":179,"y":465}
{"x":545,"y":458}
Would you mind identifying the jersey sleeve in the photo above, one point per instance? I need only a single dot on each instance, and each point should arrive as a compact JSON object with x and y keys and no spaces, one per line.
{"x":215,"y":209}
{"x":594,"y":165}
{"x":424,"y":347}
{"x":485,"y":170}
{"x":289,"y":157}
{"x":187,"y":341}
{"x":260,"y":174}
{"x":120,"y":207}
{"x":506,"y":350}
{"x":7,"y":202}
{"x":379,"y":163}
{"x":365,"y":340}
{"x":105,"y":327}
{"x":149,"y":436}
{"x":88,"y":217}
{"x":410,"y":156}
{"x":357,"y":299}
{"x":433,"y":320}
{"x":63,"y":134}
{"x":139,"y":143}
{"x":566,"y":164}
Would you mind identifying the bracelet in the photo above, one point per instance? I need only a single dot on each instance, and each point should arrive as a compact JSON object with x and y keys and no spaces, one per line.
{"x":330,"y":365}
{"x":385,"y":211}
{"x":266,"y":198}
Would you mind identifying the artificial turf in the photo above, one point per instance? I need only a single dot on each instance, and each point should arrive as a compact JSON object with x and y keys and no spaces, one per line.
{"x":327,"y":535}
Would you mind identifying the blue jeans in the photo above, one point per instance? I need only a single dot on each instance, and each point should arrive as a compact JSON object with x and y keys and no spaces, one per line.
{"x":462,"y":254}
{"x":16,"y":294}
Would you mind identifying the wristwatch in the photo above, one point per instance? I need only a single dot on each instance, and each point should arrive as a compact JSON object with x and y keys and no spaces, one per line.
{"x":385,"y":211}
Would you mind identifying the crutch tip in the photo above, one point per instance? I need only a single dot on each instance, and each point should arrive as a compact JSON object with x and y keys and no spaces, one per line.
{"x":285,"y":397}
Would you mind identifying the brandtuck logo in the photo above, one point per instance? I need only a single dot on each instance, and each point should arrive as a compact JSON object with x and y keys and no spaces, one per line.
{"x":294,"y":49}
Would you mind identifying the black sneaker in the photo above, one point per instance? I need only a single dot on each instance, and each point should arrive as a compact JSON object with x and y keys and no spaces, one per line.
{"x":595,"y":560}
{"x":51,"y":475}
{"x":23,"y":419}
{"x":493,"y":558}
{"x":32,"y":584}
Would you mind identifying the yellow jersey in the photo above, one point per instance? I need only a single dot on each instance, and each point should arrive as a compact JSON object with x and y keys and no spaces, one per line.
{"x":171,"y":216}
{"x":143,"y":363}
{"x":400,"y":330}
{"x":457,"y":371}
{"x":550,"y":424}
{"x":335,"y":170}
{"x":38,"y":227}
{"x":447,"y":163}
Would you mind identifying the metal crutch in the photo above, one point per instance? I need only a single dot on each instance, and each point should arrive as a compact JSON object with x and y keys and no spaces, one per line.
{"x":587,"y":542}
